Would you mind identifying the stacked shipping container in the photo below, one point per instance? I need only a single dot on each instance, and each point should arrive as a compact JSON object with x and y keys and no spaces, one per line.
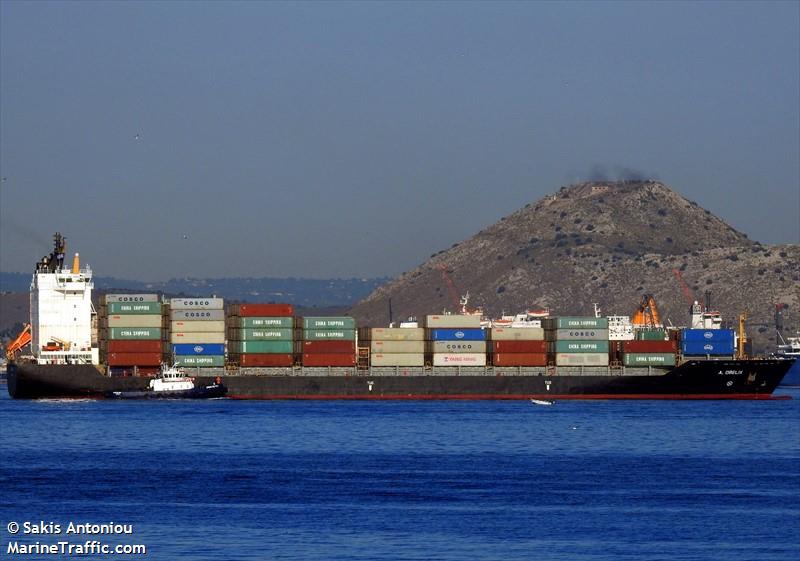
{"x":261,"y":335}
{"x":130,"y":333}
{"x":399,"y":346}
{"x":456,"y":340}
{"x":197,"y":332}
{"x":518,"y":346}
{"x":578,"y":341}
{"x":328,"y":341}
{"x":702,"y":343}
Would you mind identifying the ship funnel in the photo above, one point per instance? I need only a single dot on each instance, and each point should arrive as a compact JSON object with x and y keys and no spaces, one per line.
{"x":76,"y":264}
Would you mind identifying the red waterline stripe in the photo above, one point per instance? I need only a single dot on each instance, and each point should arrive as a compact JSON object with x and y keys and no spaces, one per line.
{"x":489,"y":396}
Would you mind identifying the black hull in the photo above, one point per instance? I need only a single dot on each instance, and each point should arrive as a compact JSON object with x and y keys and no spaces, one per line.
{"x":724,"y":379}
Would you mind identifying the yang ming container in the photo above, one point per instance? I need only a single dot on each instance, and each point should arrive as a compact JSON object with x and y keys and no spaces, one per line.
{"x":459,"y":359}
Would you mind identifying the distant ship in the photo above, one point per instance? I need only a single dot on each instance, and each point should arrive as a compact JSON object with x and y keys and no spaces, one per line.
{"x":451,"y":357}
{"x":789,"y":349}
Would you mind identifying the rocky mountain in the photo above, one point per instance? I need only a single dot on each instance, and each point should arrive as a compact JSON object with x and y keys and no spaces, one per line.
{"x":606,"y":243}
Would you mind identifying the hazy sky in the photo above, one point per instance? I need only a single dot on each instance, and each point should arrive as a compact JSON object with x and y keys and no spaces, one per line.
{"x":356,"y":139}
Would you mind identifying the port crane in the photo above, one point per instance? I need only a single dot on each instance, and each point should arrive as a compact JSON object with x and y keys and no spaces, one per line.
{"x":24,"y":338}
{"x":459,"y":302}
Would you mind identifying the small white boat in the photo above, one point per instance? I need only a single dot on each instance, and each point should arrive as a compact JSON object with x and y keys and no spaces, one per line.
{"x":543,"y":401}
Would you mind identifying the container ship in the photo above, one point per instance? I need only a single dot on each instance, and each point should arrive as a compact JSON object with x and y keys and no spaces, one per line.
{"x":264,"y":351}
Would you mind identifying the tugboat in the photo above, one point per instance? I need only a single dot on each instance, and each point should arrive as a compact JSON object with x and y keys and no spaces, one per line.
{"x":173,"y":384}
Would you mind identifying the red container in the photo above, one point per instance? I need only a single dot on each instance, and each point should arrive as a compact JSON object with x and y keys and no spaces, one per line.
{"x":649,"y":346}
{"x":519,"y":347}
{"x":264,"y":359}
{"x":120,"y":346}
{"x":519,"y":359}
{"x":329,"y":347}
{"x":329,"y":359}
{"x":131,"y":359}
{"x":265,"y":310}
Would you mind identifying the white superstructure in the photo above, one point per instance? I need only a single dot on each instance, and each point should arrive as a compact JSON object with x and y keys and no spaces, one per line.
{"x":61,"y":310}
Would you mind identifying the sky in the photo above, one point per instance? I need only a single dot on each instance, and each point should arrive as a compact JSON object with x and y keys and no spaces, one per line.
{"x":172,"y":139}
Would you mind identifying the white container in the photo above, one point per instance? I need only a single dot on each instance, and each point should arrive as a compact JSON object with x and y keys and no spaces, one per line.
{"x":397,"y":346}
{"x":459,"y":359}
{"x":397,"y":359}
{"x":397,"y":334}
{"x":196,"y":338}
{"x":140,"y":320}
{"x":198,"y":326}
{"x":516,"y":334}
{"x":452,"y":321}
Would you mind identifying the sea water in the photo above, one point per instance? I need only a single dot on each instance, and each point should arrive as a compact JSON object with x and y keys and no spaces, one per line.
{"x":443,"y":480}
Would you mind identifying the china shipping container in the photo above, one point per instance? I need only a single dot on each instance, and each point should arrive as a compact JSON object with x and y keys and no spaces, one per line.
{"x":263,"y":334}
{"x":261,"y":347}
{"x":332,"y":322}
{"x":575,"y":322}
{"x":580,"y":346}
{"x":651,"y":334}
{"x":200,"y":360}
{"x":133,"y":308}
{"x":133,"y":333}
{"x":648,"y":359}
{"x":263,"y":322}
{"x":325,"y":334}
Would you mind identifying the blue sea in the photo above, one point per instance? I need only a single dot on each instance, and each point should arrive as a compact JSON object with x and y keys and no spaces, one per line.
{"x":233,"y":480}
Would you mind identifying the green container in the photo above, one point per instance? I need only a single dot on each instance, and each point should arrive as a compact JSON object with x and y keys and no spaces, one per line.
{"x":268,"y":334}
{"x":134,"y":333}
{"x":329,"y":334}
{"x":200,"y":360}
{"x":648,"y":359}
{"x":575,"y":322}
{"x":340,"y":323}
{"x":265,"y":322}
{"x":133,"y":308}
{"x":279,"y":347}
{"x":581,"y":346}
{"x":651,"y":335}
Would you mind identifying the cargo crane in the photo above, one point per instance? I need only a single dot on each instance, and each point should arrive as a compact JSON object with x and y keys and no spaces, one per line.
{"x":459,"y":302}
{"x":647,"y":314}
{"x":24,"y":338}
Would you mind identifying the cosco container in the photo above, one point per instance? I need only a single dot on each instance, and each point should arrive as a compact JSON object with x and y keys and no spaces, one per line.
{"x":517,"y":333}
{"x":134,"y":359}
{"x":708,"y":335}
{"x":250,"y":360}
{"x":393,"y":347}
{"x":133,"y":308}
{"x":280,"y":347}
{"x":277,"y":322}
{"x":200,"y":360}
{"x":196,"y":337}
{"x":134,"y":333}
{"x":453,"y":320}
{"x":340,"y":323}
{"x":580,"y":346}
{"x":574,"y":322}
{"x":199,"y":349}
{"x":262,"y":334}
{"x":578,"y":335}
{"x":649,"y":347}
{"x":198,"y":326}
{"x":458,"y":347}
{"x":459,"y":359}
{"x":326,"y":347}
{"x":262,"y":310}
{"x":457,"y":334}
{"x":519,"y":359}
{"x":319,"y":359}
{"x":519,"y":347}
{"x":324,"y":334}
{"x":192,"y":315}
{"x":582,"y":359}
{"x":133,"y":320}
{"x":112,"y":298}
{"x":196,"y":303}
{"x":395,"y":334}
{"x":397,"y":359}
{"x":716,"y":348}
{"x":648,"y":359}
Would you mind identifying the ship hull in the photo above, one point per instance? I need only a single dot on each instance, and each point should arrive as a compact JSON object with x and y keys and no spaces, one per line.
{"x":723,"y":379}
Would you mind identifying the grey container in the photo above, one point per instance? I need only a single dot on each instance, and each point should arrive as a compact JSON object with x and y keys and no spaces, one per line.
{"x":196,"y":315}
{"x":196,"y":303}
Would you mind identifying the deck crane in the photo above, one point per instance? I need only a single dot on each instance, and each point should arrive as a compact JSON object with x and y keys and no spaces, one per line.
{"x":459,"y":302}
{"x":646,"y":315}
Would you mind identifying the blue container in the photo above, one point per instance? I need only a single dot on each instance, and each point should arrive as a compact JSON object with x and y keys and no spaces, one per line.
{"x":710,"y":335}
{"x":199,"y":349}
{"x":716,"y":348}
{"x":457,"y":335}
